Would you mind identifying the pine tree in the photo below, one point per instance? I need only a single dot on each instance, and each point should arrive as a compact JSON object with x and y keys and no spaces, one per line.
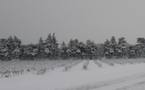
{"x":41,"y":47}
{"x":113,"y":45}
{"x":51,"y":46}
{"x":107,"y":47}
{"x":3,"y":49}
{"x":81,"y":50}
{"x":123,"y":47}
{"x":140,"y":47}
{"x":16,"y":53}
{"x":54,"y":46}
{"x":63,"y":50}
{"x":91,"y":49}
{"x":72,"y":46}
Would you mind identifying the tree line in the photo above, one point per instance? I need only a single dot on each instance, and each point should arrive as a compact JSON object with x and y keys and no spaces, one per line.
{"x":12,"y":48}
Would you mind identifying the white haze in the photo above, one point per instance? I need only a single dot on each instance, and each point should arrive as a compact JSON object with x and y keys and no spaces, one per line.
{"x":82,"y":19}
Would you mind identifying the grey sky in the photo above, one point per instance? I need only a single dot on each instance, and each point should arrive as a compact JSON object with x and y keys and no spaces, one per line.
{"x":82,"y":19}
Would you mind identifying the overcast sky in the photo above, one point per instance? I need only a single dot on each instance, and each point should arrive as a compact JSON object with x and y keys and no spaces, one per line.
{"x":82,"y":19}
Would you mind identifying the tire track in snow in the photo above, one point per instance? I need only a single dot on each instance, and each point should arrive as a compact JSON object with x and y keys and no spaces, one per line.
{"x":80,"y":66}
{"x":133,"y":86}
{"x":70,"y":66}
{"x":102,"y":84}
{"x":98,"y":63}
{"x":99,"y":85}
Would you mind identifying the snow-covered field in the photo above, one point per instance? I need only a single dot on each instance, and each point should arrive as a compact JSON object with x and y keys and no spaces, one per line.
{"x":73,"y":75}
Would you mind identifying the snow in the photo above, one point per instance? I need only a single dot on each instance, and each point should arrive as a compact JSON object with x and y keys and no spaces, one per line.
{"x":93,"y":78}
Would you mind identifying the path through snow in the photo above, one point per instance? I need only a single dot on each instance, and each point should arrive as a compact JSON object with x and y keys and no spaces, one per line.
{"x":93,"y":78}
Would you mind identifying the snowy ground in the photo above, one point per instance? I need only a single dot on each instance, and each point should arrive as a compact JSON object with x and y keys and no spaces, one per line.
{"x":79,"y":75}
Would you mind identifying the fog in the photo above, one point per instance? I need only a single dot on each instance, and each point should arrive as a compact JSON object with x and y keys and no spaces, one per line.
{"x":83,"y":19}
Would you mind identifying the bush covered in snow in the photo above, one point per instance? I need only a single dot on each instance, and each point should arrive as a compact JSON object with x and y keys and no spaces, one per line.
{"x":12,"y":48}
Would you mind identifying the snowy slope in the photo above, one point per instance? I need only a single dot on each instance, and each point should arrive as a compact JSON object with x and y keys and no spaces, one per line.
{"x":93,"y":78}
